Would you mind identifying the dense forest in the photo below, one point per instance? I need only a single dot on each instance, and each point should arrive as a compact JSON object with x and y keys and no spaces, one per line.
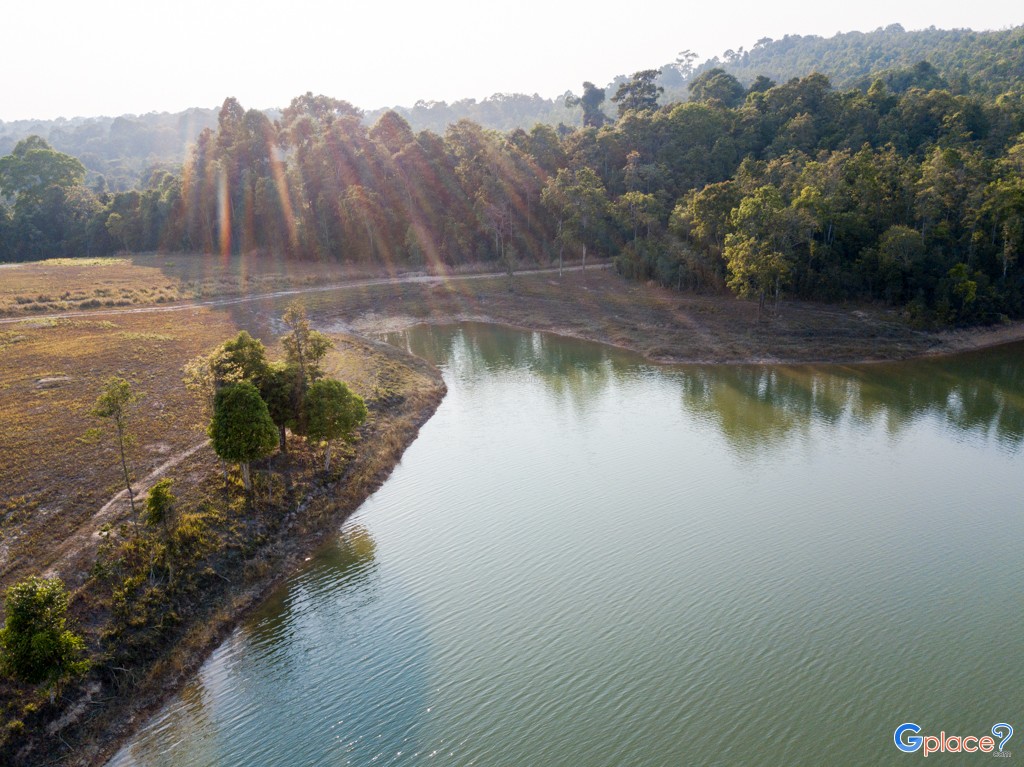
{"x":909,"y":190}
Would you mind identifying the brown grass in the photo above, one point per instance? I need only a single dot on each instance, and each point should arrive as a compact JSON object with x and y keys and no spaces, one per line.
{"x":71,"y":285}
{"x":59,"y":463}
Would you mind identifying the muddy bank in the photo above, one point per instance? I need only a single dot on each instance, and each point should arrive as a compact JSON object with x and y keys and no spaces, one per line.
{"x":662,"y":325}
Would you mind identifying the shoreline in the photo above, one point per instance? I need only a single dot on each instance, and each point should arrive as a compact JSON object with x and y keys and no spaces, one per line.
{"x":947,"y":342}
{"x":134,"y":712}
{"x":725,"y":330}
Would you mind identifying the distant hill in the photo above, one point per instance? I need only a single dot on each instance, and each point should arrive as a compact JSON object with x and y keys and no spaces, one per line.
{"x":502,"y":111}
{"x":123,"y":150}
{"x":989,"y":63}
{"x":120,"y":149}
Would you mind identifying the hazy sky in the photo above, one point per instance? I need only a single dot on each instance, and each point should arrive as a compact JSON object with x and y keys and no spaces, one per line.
{"x":109,"y":57}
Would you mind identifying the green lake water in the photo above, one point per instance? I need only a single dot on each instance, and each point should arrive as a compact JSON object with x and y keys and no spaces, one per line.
{"x":588,"y":560}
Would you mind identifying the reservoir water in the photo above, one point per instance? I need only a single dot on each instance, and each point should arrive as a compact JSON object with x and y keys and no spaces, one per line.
{"x":588,"y":560}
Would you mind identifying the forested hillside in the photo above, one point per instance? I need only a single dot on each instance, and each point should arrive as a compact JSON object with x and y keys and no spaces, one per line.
{"x":989,"y":63}
{"x":904,"y":191}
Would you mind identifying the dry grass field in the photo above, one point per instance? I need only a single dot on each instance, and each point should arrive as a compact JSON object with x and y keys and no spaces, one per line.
{"x":80,"y":284}
{"x":59,"y":463}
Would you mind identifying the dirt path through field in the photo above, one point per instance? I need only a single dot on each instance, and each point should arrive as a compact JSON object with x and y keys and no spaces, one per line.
{"x":425,"y":279}
{"x":87,"y":537}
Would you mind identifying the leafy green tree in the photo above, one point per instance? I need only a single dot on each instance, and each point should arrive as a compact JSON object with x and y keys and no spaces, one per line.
{"x":755,"y":269}
{"x":964,"y":288}
{"x":1004,"y":205}
{"x":33,"y":168}
{"x":900,"y":253}
{"x":639,"y":93}
{"x":160,"y":505}
{"x":333,"y":412}
{"x":304,"y":347}
{"x":703,"y":216}
{"x":279,"y":388}
{"x":759,"y":253}
{"x":580,"y":202}
{"x":35,"y":643}
{"x":637,"y":210}
{"x":242,"y":430}
{"x":114,"y":403}
{"x":717,"y":85}
{"x":242,"y":358}
{"x":159,"y":512}
{"x":117,"y":228}
{"x":51,"y":206}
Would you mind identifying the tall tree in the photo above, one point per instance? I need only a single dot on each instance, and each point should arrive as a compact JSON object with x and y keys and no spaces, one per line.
{"x":580,"y":202}
{"x":590,"y":101}
{"x":33,"y":168}
{"x":717,"y":85}
{"x":242,"y":358}
{"x":639,"y":93}
{"x":304,"y":347}
{"x":114,"y":403}
{"x":51,"y":205}
{"x":242,"y":430}
{"x":760,"y":252}
{"x":333,"y":412}
{"x":280,"y":389}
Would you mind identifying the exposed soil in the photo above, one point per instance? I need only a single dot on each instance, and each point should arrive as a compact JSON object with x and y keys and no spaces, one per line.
{"x":662,"y":325}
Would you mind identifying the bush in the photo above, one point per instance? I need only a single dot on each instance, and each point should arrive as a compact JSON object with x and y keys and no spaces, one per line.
{"x":35,"y":646}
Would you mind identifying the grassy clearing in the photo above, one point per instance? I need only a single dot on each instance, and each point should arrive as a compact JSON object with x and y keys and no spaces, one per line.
{"x":70,"y":285}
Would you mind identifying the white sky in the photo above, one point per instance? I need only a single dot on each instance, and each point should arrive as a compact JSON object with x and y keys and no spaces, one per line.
{"x":110,"y":57}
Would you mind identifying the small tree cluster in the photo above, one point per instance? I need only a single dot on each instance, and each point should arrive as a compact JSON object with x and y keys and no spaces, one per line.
{"x":255,"y":402}
{"x":333,"y":412}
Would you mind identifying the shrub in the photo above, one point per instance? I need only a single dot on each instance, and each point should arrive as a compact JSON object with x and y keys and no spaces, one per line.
{"x":35,"y":645}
